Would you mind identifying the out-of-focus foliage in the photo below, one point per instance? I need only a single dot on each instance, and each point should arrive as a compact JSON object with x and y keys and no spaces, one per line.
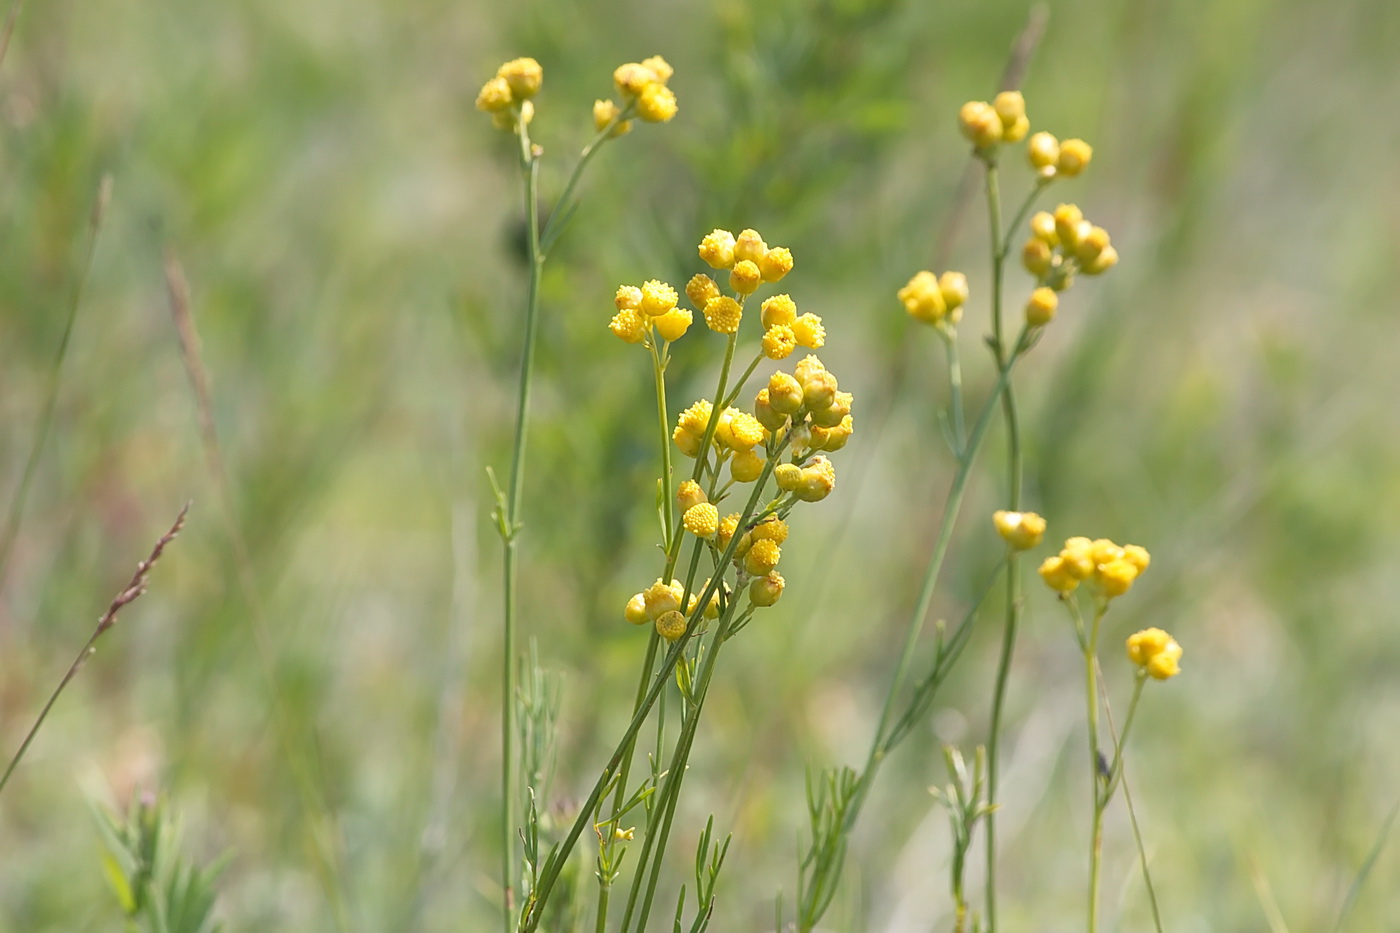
{"x":350,"y":229}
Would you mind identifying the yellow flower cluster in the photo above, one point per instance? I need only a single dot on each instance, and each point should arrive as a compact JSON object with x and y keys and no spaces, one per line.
{"x":1061,"y":244}
{"x":507,"y":96}
{"x":1051,"y":158}
{"x":1004,"y":120}
{"x":757,"y":554}
{"x":660,"y":605}
{"x":650,"y":306}
{"x":642,"y":87}
{"x":1107,"y":567}
{"x":1156,"y":653}
{"x":935,"y":300}
{"x":1021,"y":530}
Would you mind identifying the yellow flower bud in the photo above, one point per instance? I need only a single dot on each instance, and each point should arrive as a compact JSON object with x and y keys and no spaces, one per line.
{"x":605,"y":112}
{"x":780,"y":309}
{"x":670,"y":625}
{"x":1166,"y":664}
{"x":1156,"y":652}
{"x":524,"y":75}
{"x":738,"y":430}
{"x":779,"y":341}
{"x":1102,"y":263}
{"x":723,"y":314}
{"x":764,"y":591}
{"x":775,"y":263}
{"x":807,"y":367}
{"x":657,"y":297}
{"x":696,"y":418}
{"x":1056,"y":574}
{"x":656,"y":103}
{"x":923,"y":299}
{"x":727,"y":526}
{"x":784,"y":393}
{"x":1010,"y":106}
{"x":700,"y":289}
{"x":1137,"y":556}
{"x":1091,"y":245}
{"x":632,"y":78}
{"x":1021,"y":530}
{"x":662,"y":597}
{"x":717,"y":250}
{"x":746,"y":465}
{"x":701,"y":520}
{"x":1043,"y":228}
{"x":745,"y":278}
{"x":1016,"y":131}
{"x":1040,"y":309}
{"x":837,"y":437}
{"x":1074,"y":157}
{"x":749,"y":245}
{"x":660,"y":67}
{"x":818,"y":480}
{"x":1068,"y":217}
{"x":687,"y":442}
{"x":636,"y":611}
{"x":819,"y":391}
{"x":1043,"y":150}
{"x":980,"y":124}
{"x":1105,"y":551}
{"x":768,"y":417}
{"x":1116,"y":577}
{"x":690,"y":493}
{"x":1078,"y":554}
{"x":953,"y":287}
{"x":809,"y":332}
{"x":495,"y":96}
{"x":762,"y":557}
{"x":1038,"y":257}
{"x":788,"y":476}
{"x":773,"y":528}
{"x":628,"y":297}
{"x":712,"y":607}
{"x":629,"y":325}
{"x":673,"y":324}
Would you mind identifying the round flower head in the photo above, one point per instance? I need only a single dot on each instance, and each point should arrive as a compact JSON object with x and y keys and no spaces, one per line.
{"x":831,"y":416}
{"x":1068,"y":217}
{"x":775,"y":263}
{"x":673,"y":324}
{"x":658,"y":297}
{"x":727,"y":526}
{"x":687,"y":442}
{"x":629,"y":325}
{"x":628,"y":297}
{"x":745,"y":277}
{"x":1043,"y":227}
{"x":953,"y":287}
{"x":1137,"y":556}
{"x":1167,"y":663}
{"x":788,"y":476}
{"x":779,"y":309}
{"x":1010,"y":107}
{"x":700,"y":289}
{"x":1056,"y":574}
{"x":1021,"y":530}
{"x":979,"y":122}
{"x":738,"y":430}
{"x":809,"y":332}
{"x":524,"y":75}
{"x":818,"y":480}
{"x":662,"y":597}
{"x":765,"y":590}
{"x":689,"y":494}
{"x":746,"y":465}
{"x":762,"y":557}
{"x":784,"y":393}
{"x":1038,"y":257}
{"x":712,"y":607}
{"x":1116,"y":577}
{"x":723,"y":314}
{"x":495,"y":96}
{"x":696,"y":418}
{"x":701,"y":520}
{"x":604,"y":113}
{"x":1040,"y":309}
{"x":1091,"y":246}
{"x":656,"y":103}
{"x":717,"y":250}
{"x":632,"y":78}
{"x":779,"y":341}
{"x":819,"y":391}
{"x":670,"y":625}
{"x":749,"y":245}
{"x":1042,"y":150}
{"x":1102,"y":262}
{"x":636,"y":611}
{"x":1074,"y":157}
{"x":1156,"y":652}
{"x":1078,"y":555}
{"x":659,"y":67}
{"x":770,"y":419}
{"x":773,"y":528}
{"x":808,"y":366}
{"x":923,"y":299}
{"x":837,"y":437}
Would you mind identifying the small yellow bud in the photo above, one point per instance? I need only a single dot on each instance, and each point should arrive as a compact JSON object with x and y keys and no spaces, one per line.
{"x":1156,"y":652}
{"x":1021,"y":530}
{"x":605,"y":112}
{"x":1043,"y":150}
{"x":1078,"y":554}
{"x":1102,"y":263}
{"x":779,"y":341}
{"x":1091,"y":245}
{"x":712,"y":607}
{"x":1010,"y":106}
{"x":765,"y":590}
{"x":624,"y":835}
{"x":690,"y":493}
{"x":656,"y":103}
{"x":696,"y":418}
{"x":746,"y":465}
{"x":1040,"y":309}
{"x":818,"y":480}
{"x":628,"y":297}
{"x":923,"y":298}
{"x":673,"y":324}
{"x":629,"y":325}
{"x":953,"y":287}
{"x":1038,"y":257}
{"x":819,"y":391}
{"x":632,"y":78}
{"x":636,"y":611}
{"x":773,"y":528}
{"x":524,"y":75}
{"x":1074,"y":157}
{"x":1043,"y":227}
{"x":657,"y":297}
{"x":1105,"y":551}
{"x":1137,"y":556}
{"x":979,"y":123}
{"x":749,"y":245}
{"x":727,"y":526}
{"x":1068,"y":217}
{"x":837,"y":437}
{"x":1116,"y":577}
{"x":780,"y":309}
{"x":809,"y":332}
{"x":701,"y":520}
{"x":662,"y":597}
{"x":670,"y":625}
{"x":495,"y":96}
{"x":1167,"y":663}
{"x":788,"y":476}
{"x":700,"y":289}
{"x":762,"y":557}
{"x":717,"y":250}
{"x":775,"y":263}
{"x":1055,"y":572}
{"x":765,"y":413}
{"x":1016,"y":131}
{"x":784,"y":393}
{"x":745,"y":278}
{"x":660,"y":67}
{"x":738,"y":430}
{"x":831,"y":416}
{"x":687,"y":442}
{"x":723,"y":314}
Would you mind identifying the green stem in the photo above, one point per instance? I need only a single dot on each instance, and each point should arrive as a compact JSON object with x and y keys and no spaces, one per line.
{"x":1100,"y":799}
{"x":955,"y":393}
{"x":557,"y":218}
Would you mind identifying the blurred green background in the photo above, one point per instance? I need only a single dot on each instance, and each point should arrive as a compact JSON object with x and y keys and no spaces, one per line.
{"x":348,"y":225}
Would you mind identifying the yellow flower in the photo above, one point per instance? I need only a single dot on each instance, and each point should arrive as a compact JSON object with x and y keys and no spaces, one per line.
{"x":1074,"y":157}
{"x":1011,"y":110}
{"x":494,"y":96}
{"x":1043,"y":150}
{"x":687,"y":442}
{"x":1078,"y":554}
{"x":788,"y":476}
{"x":1166,"y":664}
{"x":770,"y":419}
{"x":762,"y":557}
{"x":658,"y":297}
{"x":749,"y":245}
{"x":979,"y":122}
{"x":923,"y":298}
{"x":1101,"y":263}
{"x":696,"y":418}
{"x":738,"y":430}
{"x":784,"y":393}
{"x":1091,"y":246}
{"x":711,"y":607}
{"x":628,"y":297}
{"x":809,"y":332}
{"x":632,"y":78}
{"x":661,"y":598}
{"x":780,"y":309}
{"x":1021,"y":530}
{"x":717,"y":250}
{"x":836,"y":437}
{"x":701,"y":520}
{"x":1137,"y":556}
{"x":605,"y":112}
{"x":745,"y":277}
{"x":953,"y":287}
{"x":670,"y":625}
{"x":1038,"y":256}
{"x":1043,"y":227}
{"x":673,"y":324}
{"x":659,"y":67}
{"x":779,"y":341}
{"x":746,"y":465}
{"x":689,"y":493}
{"x":727,"y":526}
{"x":1040,"y":309}
{"x":636,"y":611}
{"x":818,"y":480}
{"x":1116,"y":577}
{"x":524,"y":75}
{"x":819,"y":391}
{"x":765,"y":590}
{"x":775,"y":263}
{"x":700,"y":289}
{"x":831,"y":416}
{"x":773,"y":528}
{"x":1056,"y":574}
{"x":1156,"y":652}
{"x":629,"y":325}
{"x":656,"y":103}
{"x":1068,"y":220}
{"x":723,"y":314}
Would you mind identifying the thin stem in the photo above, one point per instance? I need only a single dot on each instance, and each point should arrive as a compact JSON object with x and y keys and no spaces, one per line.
{"x":1095,"y":778}
{"x":554,"y":226}
{"x":955,"y":393}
